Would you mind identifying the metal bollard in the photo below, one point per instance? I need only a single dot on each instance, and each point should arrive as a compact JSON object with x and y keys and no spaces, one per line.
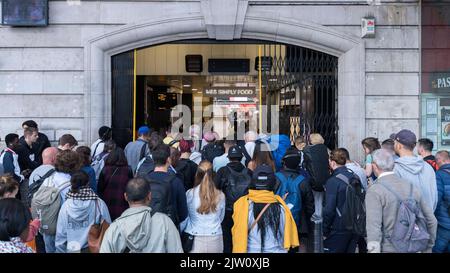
{"x":317,"y":234}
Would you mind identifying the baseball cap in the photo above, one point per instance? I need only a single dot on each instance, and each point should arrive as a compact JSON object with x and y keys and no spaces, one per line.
{"x":235,"y":152}
{"x":406,"y":137}
{"x":263,"y":178}
{"x":143,"y":130}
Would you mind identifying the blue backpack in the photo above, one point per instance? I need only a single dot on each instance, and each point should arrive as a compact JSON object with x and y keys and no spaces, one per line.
{"x":290,"y":184}
{"x":279,"y":145}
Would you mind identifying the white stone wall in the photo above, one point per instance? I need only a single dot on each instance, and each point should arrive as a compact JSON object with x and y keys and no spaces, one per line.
{"x":42,"y":73}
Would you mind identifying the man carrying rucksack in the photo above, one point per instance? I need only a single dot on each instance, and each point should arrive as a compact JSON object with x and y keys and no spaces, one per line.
{"x":168,"y":195}
{"x":213,"y":148}
{"x":42,"y":172}
{"x":413,"y":168}
{"x":50,"y":196}
{"x":343,"y":202}
{"x":137,"y":150}
{"x":299,"y":199}
{"x":233,"y":180}
{"x":392,"y":202}
{"x":442,"y":211}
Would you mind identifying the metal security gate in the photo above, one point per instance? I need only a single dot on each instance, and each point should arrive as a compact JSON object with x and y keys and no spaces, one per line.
{"x":303,"y":82}
{"x":122,"y":97}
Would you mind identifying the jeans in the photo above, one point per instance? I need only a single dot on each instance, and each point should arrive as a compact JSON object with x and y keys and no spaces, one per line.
{"x":49,"y":241}
{"x":442,"y":243}
{"x":340,"y":242}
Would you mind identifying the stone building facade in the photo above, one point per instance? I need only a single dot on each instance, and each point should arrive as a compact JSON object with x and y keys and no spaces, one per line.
{"x":59,"y":75}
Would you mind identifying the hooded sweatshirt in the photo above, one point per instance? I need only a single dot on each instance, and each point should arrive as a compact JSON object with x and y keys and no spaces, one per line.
{"x":74,"y":221}
{"x":141,"y":232}
{"x":421,"y":174}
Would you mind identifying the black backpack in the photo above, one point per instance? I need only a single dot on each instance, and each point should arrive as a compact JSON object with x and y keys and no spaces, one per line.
{"x":354,"y":210}
{"x":236,"y":186}
{"x":147,"y":166}
{"x":315,"y":162}
{"x":162,"y":197}
{"x":211,"y":151}
{"x":33,"y":188}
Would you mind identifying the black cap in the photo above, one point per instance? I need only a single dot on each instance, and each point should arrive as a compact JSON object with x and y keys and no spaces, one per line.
{"x":235,"y":152}
{"x":263,"y":178}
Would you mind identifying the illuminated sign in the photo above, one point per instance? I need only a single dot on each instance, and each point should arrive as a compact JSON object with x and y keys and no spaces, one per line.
{"x":229,"y":92}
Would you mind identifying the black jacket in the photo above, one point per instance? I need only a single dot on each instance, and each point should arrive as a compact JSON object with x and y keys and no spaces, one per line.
{"x":335,"y":195}
{"x":39,"y":146}
{"x":221,"y":178}
{"x":27,"y":156}
{"x":186,"y":170}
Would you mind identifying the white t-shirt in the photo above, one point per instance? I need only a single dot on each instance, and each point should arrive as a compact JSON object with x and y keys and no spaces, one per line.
{"x":100,"y":147}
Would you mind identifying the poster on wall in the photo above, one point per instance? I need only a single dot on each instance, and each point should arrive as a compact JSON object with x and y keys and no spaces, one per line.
{"x":445,"y":121}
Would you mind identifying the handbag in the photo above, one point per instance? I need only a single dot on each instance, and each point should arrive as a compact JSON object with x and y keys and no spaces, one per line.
{"x":187,"y":241}
{"x":97,"y":232}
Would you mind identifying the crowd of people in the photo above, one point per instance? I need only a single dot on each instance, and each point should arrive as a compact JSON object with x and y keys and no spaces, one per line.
{"x":164,"y":193}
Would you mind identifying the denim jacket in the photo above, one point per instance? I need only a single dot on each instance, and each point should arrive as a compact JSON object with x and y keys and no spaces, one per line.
{"x":203,"y":224}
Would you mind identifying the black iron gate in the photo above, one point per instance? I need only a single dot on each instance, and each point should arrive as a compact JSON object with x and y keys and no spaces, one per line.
{"x":122,"y":80}
{"x":303,"y":82}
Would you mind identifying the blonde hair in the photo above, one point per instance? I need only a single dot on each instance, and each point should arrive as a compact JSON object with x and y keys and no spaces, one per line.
{"x":316,"y":139}
{"x":209,"y":194}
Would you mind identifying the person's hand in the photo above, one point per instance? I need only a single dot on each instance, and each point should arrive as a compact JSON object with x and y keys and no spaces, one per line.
{"x":373,"y":247}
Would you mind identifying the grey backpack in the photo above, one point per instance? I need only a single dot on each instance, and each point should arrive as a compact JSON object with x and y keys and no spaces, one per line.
{"x":46,"y":204}
{"x":410,"y":233}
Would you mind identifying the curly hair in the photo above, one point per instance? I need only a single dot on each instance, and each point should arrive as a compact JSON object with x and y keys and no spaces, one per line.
{"x":68,"y":162}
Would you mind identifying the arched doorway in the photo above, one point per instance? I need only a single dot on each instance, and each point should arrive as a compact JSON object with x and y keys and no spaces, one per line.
{"x":175,"y":27}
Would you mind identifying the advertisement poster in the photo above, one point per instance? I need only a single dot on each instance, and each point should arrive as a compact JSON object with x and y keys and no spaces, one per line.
{"x":445,"y":121}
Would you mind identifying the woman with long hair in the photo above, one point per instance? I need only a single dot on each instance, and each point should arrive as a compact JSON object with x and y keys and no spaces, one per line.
{"x":261,"y":155}
{"x":206,"y":206}
{"x":370,"y":144}
{"x":113,"y":180}
{"x":262,"y":221}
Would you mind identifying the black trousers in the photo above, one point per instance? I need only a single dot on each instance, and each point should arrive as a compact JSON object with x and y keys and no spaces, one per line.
{"x":227,"y":224}
{"x":340,"y":242}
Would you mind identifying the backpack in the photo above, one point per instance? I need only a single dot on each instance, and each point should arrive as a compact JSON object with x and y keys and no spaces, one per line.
{"x":354,"y":210}
{"x":279,"y":145}
{"x":143,"y":150}
{"x":33,"y":188}
{"x":236,"y":186}
{"x":145,"y":166}
{"x":46,"y":204}
{"x":211,"y":151}
{"x":315,"y":162}
{"x":290,"y":185}
{"x":162,"y":197}
{"x":98,"y":162}
{"x":446,"y":200}
{"x":410,"y":233}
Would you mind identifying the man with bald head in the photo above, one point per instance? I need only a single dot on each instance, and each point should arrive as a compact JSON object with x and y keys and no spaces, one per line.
{"x":48,"y":164}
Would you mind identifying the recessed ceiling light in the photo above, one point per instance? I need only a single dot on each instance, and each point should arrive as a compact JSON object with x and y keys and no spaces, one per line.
{"x":186,"y":85}
{"x":194,"y":89}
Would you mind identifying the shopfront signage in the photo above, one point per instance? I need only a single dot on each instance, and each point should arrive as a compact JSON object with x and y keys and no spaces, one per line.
{"x":229,"y":92}
{"x":440,"y":82}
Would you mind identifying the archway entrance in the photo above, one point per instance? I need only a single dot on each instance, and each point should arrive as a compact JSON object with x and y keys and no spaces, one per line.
{"x":349,"y":49}
{"x":301,"y":83}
